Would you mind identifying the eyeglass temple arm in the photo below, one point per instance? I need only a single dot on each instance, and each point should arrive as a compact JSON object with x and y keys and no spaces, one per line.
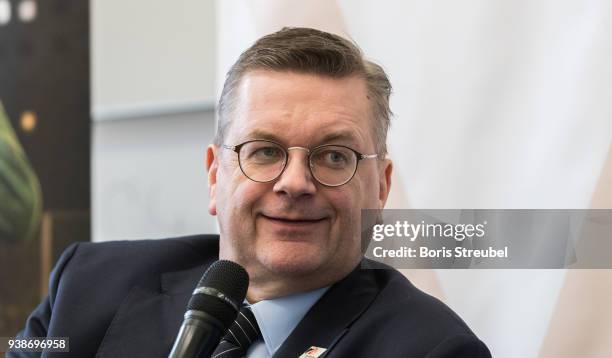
{"x":368,"y":156}
{"x":230,"y":147}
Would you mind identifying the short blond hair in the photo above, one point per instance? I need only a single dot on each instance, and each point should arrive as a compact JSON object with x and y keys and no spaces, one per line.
{"x":305,"y":50}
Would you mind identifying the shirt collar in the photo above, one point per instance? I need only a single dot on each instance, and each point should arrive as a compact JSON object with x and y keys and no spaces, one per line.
{"x":278,"y":317}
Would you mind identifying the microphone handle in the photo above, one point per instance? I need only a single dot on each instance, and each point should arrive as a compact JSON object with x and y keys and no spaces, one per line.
{"x":199,"y":335}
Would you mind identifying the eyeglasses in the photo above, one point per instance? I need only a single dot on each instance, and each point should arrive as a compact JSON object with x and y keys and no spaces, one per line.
{"x":331,"y":165}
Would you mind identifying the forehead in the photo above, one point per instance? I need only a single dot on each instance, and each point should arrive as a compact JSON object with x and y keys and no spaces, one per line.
{"x":301,"y":109}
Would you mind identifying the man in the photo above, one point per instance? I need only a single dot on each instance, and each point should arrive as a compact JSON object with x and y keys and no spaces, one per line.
{"x":299,"y":151}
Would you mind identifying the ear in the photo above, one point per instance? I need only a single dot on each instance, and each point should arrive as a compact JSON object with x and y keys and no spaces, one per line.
{"x":384,"y":175}
{"x":212,"y":165}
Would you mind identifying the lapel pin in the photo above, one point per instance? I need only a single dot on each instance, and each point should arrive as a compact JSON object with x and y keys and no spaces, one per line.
{"x":313,"y":352}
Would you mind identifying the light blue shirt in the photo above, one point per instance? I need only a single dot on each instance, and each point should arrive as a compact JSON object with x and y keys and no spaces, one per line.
{"x":277,"y":318}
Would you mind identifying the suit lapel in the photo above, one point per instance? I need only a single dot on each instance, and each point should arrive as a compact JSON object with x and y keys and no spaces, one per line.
{"x":147,"y":321}
{"x":330,"y":318}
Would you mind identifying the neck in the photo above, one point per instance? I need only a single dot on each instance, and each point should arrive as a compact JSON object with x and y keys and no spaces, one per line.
{"x":266,"y":287}
{"x":275,"y":289}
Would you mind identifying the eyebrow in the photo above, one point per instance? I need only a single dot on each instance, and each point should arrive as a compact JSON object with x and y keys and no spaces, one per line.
{"x":338,"y":136}
{"x":261,"y":134}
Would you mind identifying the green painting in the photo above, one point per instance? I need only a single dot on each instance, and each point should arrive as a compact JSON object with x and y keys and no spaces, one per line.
{"x":20,"y":194}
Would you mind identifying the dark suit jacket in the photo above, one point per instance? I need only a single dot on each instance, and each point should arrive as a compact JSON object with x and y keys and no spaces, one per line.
{"x":127,"y":299}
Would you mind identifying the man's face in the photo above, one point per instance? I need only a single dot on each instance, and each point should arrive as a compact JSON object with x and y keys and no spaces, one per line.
{"x":294,"y":227}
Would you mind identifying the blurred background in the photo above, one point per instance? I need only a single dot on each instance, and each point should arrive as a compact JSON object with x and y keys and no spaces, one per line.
{"x":109,"y":106}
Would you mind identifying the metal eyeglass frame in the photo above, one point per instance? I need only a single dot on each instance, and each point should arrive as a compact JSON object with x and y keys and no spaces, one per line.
{"x":360,"y":157}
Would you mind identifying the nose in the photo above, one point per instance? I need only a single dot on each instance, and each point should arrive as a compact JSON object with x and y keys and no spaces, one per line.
{"x":296,"y":180}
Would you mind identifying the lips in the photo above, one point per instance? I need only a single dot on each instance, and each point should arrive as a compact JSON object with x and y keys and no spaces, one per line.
{"x":293,"y":228}
{"x":294,"y":220}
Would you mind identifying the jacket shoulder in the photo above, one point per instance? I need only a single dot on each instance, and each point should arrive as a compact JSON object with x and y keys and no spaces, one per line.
{"x":419,"y":322}
{"x":201,"y":245}
{"x":120,"y":263}
{"x":91,"y":280}
{"x":400,"y":296}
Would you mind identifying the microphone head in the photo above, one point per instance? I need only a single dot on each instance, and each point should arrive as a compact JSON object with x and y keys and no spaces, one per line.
{"x":231,"y":281}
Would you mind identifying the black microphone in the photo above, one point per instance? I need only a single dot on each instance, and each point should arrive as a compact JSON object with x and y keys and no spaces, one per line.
{"x":211,"y":310}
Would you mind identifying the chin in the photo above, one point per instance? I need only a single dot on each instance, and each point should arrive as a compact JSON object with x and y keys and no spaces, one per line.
{"x":293,"y":260}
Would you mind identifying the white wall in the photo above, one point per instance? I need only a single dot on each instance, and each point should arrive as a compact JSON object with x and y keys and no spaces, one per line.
{"x":149,"y":179}
{"x":151,"y":53}
{"x":153,"y":76}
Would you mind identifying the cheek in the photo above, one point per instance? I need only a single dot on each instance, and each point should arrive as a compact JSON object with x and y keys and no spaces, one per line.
{"x":347,"y":207}
{"x":236,"y":195}
{"x":368,"y":189}
{"x":357,"y":194}
{"x":348,"y":203}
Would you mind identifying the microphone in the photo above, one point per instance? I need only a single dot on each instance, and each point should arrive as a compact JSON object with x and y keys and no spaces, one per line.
{"x":211,"y":310}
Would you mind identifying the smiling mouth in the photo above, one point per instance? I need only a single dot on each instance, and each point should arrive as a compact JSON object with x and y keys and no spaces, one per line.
{"x":294,"y":221}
